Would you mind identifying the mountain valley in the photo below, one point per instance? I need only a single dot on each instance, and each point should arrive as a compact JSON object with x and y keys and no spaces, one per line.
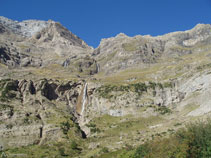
{"x":60,"y":97}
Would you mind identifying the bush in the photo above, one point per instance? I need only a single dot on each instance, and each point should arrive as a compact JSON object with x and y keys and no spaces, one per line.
{"x":141,"y":151}
{"x":62,"y":151}
{"x":105,"y":150}
{"x":65,"y":126}
{"x":93,"y":128}
{"x":198,"y":138}
{"x":163,"y":110}
{"x":193,"y":141}
{"x":74,"y":145}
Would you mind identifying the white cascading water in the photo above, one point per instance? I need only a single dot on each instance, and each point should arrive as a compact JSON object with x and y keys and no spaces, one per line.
{"x":84,"y":98}
{"x":98,"y":67}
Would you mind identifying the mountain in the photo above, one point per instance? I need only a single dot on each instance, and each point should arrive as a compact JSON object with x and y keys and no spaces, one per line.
{"x":59,"y":96}
{"x":121,"y":52}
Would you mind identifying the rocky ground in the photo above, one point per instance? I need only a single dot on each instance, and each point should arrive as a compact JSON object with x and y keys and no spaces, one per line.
{"x":61,"y":97}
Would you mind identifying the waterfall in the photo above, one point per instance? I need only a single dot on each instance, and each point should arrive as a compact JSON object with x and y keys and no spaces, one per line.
{"x":84,"y":98}
{"x":98,"y":67}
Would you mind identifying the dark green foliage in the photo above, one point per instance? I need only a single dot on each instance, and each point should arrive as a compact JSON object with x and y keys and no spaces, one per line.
{"x":141,"y":151}
{"x":139,"y":88}
{"x":105,"y":91}
{"x":93,"y":128}
{"x":10,"y":112}
{"x":160,"y":85}
{"x":198,"y":138}
{"x":152,"y":85}
{"x":62,"y":152}
{"x":9,"y":126}
{"x":65,"y":126}
{"x":104,"y":150}
{"x":26,"y":121}
{"x":204,"y":66}
{"x":8,"y":108}
{"x":6,"y":88}
{"x":193,"y":141}
{"x":154,"y":93}
{"x":163,"y":110}
{"x":3,"y":155}
{"x":91,"y":125}
{"x":74,"y":145}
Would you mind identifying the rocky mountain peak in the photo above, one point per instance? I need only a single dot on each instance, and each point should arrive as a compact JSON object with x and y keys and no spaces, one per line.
{"x":25,"y":28}
{"x":43,"y":31}
{"x":38,"y":40}
{"x":55,"y":32}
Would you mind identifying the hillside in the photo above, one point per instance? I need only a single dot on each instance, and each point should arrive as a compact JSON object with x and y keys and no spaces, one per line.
{"x":61,"y":97}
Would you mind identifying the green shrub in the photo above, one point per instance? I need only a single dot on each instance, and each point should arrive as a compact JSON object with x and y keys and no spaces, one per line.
{"x":95,"y":130}
{"x":65,"y":126}
{"x":9,"y":126}
{"x":141,"y":151}
{"x":193,"y":141}
{"x":163,"y":110}
{"x":26,"y":121}
{"x":74,"y":145}
{"x":62,"y":151}
{"x":104,"y":150}
{"x":198,"y":137}
{"x":105,"y":91}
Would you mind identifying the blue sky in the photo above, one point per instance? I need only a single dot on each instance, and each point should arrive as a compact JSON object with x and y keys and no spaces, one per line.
{"x":93,"y":20}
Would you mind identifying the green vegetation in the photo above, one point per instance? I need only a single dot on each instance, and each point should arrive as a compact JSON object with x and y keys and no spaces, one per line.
{"x":163,"y":110}
{"x":69,"y":145}
{"x":65,"y":126}
{"x":60,"y":149}
{"x":104,"y":150}
{"x":6,"y":88}
{"x":201,"y":67}
{"x":74,"y":145}
{"x":93,"y":128}
{"x":193,"y":141}
{"x":106,"y":91}
{"x":8,"y":108}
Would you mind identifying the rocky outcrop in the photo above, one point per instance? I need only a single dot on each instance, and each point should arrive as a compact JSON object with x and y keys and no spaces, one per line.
{"x":10,"y":56}
{"x":27,"y":111}
{"x":125,"y":100}
{"x":24,"y":28}
{"x":85,"y":65}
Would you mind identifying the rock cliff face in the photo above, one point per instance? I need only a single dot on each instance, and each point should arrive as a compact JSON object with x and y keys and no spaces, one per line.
{"x":55,"y":89}
{"x":122,"y":52}
{"x":28,"y":109}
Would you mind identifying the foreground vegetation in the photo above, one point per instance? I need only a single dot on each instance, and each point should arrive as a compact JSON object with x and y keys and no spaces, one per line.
{"x":193,"y":141}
